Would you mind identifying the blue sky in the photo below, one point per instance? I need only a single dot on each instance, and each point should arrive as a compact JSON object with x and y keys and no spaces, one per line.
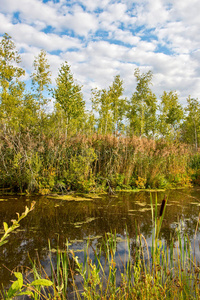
{"x":102,"y":38}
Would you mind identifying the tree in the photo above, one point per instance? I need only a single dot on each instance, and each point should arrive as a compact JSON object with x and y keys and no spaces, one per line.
{"x":41,"y":78}
{"x":69,"y":99}
{"x":11,"y":87}
{"x":171,"y":115}
{"x":110,"y":106}
{"x":142,"y":107}
{"x":9,"y":61}
{"x":101,"y":103}
{"x":191,"y":124}
{"x":118,"y":104}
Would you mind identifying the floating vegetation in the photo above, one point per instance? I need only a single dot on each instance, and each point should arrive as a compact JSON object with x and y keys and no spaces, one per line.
{"x":120,"y":239}
{"x":97,"y":237}
{"x":93,"y":196}
{"x":84,"y":222}
{"x":140,"y":203}
{"x":144,"y":209}
{"x":78,"y":250}
{"x":70,"y":198}
{"x":59,"y":251}
{"x":75,"y":241}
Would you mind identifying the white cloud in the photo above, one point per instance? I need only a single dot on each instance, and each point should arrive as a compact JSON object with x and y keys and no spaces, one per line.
{"x":161,"y":35}
{"x":81,"y":22}
{"x":31,"y":36}
{"x":30,"y":11}
{"x":92,"y":5}
{"x":126,"y":37}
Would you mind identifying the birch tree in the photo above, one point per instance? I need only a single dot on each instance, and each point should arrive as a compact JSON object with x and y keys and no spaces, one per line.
{"x":69,"y":99}
{"x":142,"y":107}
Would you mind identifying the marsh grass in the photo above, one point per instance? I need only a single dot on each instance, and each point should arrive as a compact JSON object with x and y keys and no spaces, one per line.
{"x":159,"y":271}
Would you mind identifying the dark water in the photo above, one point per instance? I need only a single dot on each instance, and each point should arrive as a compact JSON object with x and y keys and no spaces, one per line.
{"x":75,"y":221}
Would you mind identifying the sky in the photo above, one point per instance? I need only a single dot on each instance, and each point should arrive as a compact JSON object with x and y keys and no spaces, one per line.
{"x":100,"y":39}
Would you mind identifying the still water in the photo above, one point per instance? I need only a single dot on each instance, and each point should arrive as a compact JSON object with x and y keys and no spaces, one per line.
{"x":57,"y":220}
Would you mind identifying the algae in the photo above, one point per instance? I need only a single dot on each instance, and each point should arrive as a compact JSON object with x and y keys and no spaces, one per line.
{"x":78,"y":224}
{"x":69,"y":198}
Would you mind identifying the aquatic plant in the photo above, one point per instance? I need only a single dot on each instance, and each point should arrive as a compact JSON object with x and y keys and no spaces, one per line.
{"x":18,"y":288}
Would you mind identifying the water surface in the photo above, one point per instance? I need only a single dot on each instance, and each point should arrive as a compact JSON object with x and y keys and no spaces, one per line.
{"x":60,"y":220}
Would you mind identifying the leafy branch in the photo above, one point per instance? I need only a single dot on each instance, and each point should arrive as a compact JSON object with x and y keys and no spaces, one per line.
{"x":15,"y":224}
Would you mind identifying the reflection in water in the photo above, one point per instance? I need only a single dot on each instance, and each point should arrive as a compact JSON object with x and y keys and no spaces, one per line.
{"x":76,"y":221}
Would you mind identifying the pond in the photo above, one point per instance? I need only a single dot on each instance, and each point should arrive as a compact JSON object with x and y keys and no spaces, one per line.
{"x":58,"y":220}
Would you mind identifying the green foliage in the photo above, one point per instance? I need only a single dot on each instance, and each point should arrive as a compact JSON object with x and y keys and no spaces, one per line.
{"x":11,"y":88}
{"x":110,"y":106}
{"x":191,"y":126}
{"x":79,"y":176}
{"x":102,"y":104}
{"x":8,"y":230}
{"x":42,"y":152}
{"x":69,"y":149}
{"x":18,"y":288}
{"x":9,"y":59}
{"x":171,"y":115}
{"x":142,"y":107}
{"x":41,"y":77}
{"x":69,"y":99}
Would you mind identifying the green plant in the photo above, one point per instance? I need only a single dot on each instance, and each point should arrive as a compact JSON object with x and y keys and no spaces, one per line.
{"x":18,"y":288}
{"x":8,"y":230}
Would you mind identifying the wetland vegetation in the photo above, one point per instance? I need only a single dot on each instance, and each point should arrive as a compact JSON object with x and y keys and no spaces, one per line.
{"x":57,"y":146}
{"x":96,"y":245}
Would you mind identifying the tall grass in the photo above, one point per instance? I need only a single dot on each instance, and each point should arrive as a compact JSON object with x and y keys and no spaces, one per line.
{"x":57,"y":163}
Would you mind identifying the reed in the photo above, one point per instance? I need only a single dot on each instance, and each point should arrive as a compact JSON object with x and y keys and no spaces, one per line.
{"x":57,"y":163}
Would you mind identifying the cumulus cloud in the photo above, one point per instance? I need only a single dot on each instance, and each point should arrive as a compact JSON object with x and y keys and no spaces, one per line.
{"x":103,"y":38}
